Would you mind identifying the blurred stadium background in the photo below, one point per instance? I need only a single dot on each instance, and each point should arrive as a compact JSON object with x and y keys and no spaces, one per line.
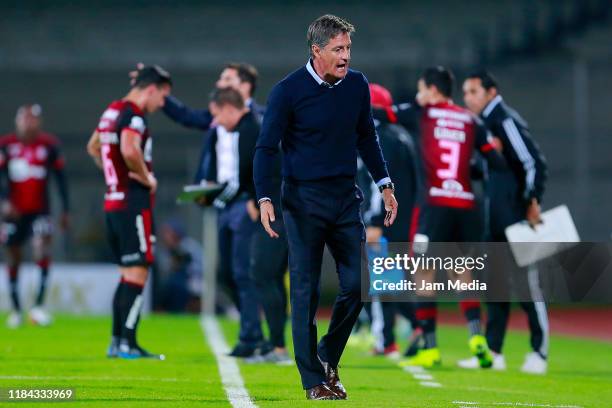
{"x":552,"y":58}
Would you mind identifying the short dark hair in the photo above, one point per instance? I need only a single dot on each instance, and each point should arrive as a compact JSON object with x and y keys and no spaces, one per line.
{"x":325,"y":28}
{"x":440,"y":77}
{"x":227,"y":96}
{"x":246,"y":73}
{"x":487,"y":80}
{"x":152,"y":75}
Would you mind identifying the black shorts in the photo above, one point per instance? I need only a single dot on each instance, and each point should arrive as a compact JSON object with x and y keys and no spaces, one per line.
{"x":131,"y":236}
{"x":448,"y":224}
{"x":15,"y":232}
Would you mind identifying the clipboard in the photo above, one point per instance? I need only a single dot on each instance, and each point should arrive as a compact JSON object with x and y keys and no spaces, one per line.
{"x":193,"y":192}
{"x":557,"y":233}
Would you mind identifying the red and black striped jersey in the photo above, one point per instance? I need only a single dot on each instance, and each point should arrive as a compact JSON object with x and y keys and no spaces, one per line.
{"x":122,"y":192}
{"x":449,"y":135}
{"x":27,"y":165}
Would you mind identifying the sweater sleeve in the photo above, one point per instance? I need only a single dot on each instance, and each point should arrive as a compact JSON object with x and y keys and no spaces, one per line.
{"x":367,"y":141}
{"x":274,"y":126}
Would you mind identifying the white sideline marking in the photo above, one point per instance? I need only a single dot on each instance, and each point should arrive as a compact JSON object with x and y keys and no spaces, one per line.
{"x":427,"y":377}
{"x":430,"y":384}
{"x":515,"y":404}
{"x":414,"y":369}
{"x":228,"y":368}
{"x":424,"y":377}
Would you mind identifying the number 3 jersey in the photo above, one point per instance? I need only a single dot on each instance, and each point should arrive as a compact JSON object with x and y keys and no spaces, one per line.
{"x":449,"y":135}
{"x":122,"y":192}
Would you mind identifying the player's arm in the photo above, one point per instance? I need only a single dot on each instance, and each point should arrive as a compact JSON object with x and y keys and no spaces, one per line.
{"x":93,"y":148}
{"x":134,"y":158}
{"x":59,"y":173}
{"x":186,"y":116}
{"x":5,"y":205}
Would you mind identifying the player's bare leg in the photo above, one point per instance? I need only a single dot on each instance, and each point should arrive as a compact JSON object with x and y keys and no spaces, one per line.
{"x":127,"y":305}
{"x":14,"y":261}
{"x":470,"y":307}
{"x":41,"y":246}
{"x":426,"y":314}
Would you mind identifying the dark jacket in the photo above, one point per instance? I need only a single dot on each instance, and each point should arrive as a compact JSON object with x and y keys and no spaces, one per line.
{"x":247,"y":131}
{"x":200,"y":118}
{"x":521,"y":152}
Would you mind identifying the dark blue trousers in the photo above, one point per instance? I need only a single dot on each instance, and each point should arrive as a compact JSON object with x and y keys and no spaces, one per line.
{"x":506,"y":208}
{"x":319,"y":213}
{"x":235,"y":231}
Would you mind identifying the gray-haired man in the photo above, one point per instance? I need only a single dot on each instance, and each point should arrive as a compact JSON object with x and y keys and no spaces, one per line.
{"x":321,"y":115}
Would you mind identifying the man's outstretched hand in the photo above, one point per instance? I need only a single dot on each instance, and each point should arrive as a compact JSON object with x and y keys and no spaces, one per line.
{"x":266,"y":210}
{"x":390,"y":206}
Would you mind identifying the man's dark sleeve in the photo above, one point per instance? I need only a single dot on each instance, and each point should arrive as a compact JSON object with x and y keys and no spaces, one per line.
{"x":273,"y":128}
{"x":57,"y":168}
{"x":186,"y":116}
{"x":487,"y":150}
{"x":531,"y":158}
{"x":367,"y":142}
{"x":205,"y":162}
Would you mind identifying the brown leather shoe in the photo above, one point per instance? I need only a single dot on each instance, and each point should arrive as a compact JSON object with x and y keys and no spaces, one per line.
{"x":333,"y":381}
{"x":321,"y":392}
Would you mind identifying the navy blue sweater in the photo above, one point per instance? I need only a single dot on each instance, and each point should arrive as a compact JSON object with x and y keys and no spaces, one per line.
{"x":321,"y":130}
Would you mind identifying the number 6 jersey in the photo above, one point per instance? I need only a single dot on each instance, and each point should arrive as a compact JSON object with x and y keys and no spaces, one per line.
{"x":122,"y":192}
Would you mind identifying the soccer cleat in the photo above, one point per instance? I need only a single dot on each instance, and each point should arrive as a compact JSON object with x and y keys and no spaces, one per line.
{"x":14,"y":320}
{"x":132,"y":353}
{"x":499,"y":362}
{"x":480,"y":349}
{"x":534,"y":364}
{"x":244,"y":350}
{"x":424,"y":358}
{"x":271,"y":357}
{"x":40,"y":316}
{"x":113,"y":348}
{"x":415,"y":343}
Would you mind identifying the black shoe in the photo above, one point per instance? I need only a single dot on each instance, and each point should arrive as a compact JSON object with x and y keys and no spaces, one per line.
{"x":243,"y":350}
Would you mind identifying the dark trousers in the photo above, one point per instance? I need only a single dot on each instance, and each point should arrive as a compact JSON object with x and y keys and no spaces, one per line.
{"x":235,"y":232}
{"x":507,"y":208}
{"x":320,"y":213}
{"x":269,"y":258}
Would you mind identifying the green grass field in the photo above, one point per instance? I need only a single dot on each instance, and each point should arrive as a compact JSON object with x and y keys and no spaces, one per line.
{"x":71,"y":354}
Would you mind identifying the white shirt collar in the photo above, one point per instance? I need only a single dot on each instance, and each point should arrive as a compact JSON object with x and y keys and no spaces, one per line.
{"x":491,"y":105}
{"x":316,"y":76}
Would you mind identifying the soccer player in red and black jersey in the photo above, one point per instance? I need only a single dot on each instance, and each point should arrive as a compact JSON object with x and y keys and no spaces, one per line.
{"x":27,"y":158}
{"x":122,"y":147}
{"x":447,"y":211}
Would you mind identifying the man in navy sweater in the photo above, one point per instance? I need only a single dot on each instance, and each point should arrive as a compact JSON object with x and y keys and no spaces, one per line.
{"x":321,"y":116}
